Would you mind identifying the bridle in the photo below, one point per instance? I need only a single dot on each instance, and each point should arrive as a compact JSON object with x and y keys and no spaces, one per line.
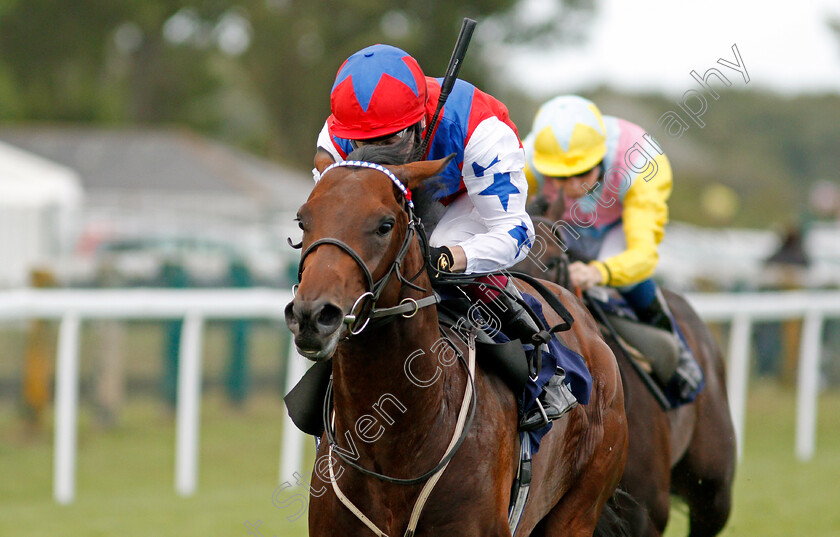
{"x":366,"y":302}
{"x":408,"y":308}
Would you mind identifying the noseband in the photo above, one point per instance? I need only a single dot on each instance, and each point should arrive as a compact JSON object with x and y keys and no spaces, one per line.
{"x":408,"y":306}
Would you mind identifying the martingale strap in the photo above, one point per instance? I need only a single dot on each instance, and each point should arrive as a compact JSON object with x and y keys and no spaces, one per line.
{"x":329,"y":428}
{"x":460,"y":427}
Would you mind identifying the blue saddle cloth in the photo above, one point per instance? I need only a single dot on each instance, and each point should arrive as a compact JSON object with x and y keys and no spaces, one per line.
{"x":556,"y":355}
{"x":616,"y":305}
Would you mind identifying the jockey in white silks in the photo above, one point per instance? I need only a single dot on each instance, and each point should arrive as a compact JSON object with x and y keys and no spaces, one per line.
{"x":381,"y":96}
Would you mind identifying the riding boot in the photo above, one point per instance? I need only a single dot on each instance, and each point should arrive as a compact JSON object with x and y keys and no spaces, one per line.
{"x":556,"y":398}
{"x":688,"y":378}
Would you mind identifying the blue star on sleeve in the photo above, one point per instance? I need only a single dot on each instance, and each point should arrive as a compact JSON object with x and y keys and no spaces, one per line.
{"x":520,"y":233}
{"x":478,"y":169}
{"x":501,"y":187}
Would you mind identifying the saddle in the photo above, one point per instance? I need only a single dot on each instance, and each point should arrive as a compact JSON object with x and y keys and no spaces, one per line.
{"x":653,"y":352}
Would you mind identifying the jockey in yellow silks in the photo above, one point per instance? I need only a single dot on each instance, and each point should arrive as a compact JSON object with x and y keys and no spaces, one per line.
{"x":615,"y":181}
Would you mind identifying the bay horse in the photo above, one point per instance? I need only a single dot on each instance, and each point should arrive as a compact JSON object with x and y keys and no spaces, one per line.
{"x":399,"y":392}
{"x":688,"y":451}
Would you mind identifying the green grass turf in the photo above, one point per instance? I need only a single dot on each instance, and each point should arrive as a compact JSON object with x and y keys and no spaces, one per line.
{"x":775,"y":494}
{"x":125,"y":475}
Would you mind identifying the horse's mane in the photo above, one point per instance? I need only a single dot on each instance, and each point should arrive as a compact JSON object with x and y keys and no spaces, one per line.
{"x":394,"y":154}
{"x":398,"y":154}
{"x":402,"y":152}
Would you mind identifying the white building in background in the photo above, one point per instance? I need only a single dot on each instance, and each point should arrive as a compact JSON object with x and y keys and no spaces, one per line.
{"x":40,"y":204}
{"x":157,"y":197}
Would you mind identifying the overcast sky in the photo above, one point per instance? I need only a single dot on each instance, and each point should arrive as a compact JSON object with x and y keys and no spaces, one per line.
{"x":644,"y":45}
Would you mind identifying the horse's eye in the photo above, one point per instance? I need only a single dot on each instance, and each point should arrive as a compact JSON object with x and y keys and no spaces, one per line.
{"x":385,"y":227}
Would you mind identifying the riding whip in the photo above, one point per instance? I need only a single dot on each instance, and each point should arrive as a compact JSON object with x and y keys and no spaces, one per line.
{"x":464,"y":36}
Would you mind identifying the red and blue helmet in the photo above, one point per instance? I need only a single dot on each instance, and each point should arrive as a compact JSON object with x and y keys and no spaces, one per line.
{"x":378,"y":91}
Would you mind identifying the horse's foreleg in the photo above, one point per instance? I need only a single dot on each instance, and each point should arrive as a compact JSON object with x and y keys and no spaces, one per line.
{"x":704,"y":475}
{"x":647,"y":477}
{"x":704,"y":478}
{"x":577,"y":514}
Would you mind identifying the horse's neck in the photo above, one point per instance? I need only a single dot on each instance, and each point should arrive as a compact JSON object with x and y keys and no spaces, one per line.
{"x":381,"y":413}
{"x":385,"y":375}
{"x":388,"y":360}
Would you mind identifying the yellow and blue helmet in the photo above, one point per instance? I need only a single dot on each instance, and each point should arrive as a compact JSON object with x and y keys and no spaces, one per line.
{"x":569,"y":137}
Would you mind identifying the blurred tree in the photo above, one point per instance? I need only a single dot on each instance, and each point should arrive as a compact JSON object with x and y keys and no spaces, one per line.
{"x":52,"y":55}
{"x":299,"y":45}
{"x":768,"y":148}
{"x":256,"y":72}
{"x":95,"y":60}
{"x":164,"y":70}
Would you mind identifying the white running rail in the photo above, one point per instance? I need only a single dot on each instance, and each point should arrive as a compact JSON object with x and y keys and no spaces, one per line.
{"x":743,"y":310}
{"x":72,"y":307}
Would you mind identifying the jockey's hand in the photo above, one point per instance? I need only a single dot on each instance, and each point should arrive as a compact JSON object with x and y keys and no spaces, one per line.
{"x":584,"y":276}
{"x":441,"y":258}
{"x":446,"y":259}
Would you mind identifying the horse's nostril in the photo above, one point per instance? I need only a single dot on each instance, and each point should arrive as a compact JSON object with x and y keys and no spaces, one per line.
{"x":290,"y":314}
{"x":329,"y":318}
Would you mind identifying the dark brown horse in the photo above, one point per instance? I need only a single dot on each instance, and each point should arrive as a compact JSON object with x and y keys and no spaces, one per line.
{"x":688,"y":451}
{"x":399,"y":390}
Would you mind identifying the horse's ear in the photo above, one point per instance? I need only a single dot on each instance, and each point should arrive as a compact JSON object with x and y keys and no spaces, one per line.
{"x":322,"y":160}
{"x":414,"y":173}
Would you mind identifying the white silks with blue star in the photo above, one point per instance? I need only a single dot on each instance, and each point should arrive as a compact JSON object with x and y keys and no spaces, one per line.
{"x":485,"y":189}
{"x":490,"y":222}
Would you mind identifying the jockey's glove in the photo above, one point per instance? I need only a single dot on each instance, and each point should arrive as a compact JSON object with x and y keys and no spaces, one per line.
{"x":441,"y":258}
